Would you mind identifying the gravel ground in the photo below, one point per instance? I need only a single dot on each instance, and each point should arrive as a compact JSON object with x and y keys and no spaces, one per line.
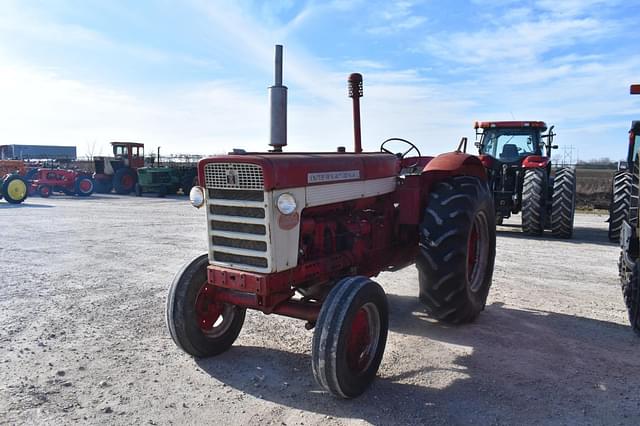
{"x":82,"y":288}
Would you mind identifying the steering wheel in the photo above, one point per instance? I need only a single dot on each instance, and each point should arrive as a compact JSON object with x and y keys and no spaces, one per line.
{"x":404,"y":154}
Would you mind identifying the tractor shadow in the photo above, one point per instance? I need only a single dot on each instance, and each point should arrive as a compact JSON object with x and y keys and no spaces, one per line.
{"x":509,"y":366}
{"x":25,"y":205}
{"x":581,"y":235}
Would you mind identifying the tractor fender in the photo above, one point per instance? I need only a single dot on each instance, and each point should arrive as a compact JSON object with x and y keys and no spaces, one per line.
{"x":535,"y":161}
{"x":456,"y":164}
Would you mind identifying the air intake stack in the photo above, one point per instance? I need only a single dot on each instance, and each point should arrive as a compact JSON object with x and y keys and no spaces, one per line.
{"x":278,"y":107}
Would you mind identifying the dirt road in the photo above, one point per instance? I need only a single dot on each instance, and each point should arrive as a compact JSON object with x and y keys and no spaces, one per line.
{"x":82,"y":288}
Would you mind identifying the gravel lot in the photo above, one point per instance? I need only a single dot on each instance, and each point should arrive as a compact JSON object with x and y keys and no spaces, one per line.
{"x":82,"y":288}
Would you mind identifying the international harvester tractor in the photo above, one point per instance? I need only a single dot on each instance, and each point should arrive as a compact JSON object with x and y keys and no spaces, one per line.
{"x":301,"y":235}
{"x":119,"y":172}
{"x":13,"y":186}
{"x":629,"y":266}
{"x":517,"y":156}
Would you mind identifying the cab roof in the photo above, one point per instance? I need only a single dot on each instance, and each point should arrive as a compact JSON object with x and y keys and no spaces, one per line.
{"x":128,"y":143}
{"x":510,"y":124}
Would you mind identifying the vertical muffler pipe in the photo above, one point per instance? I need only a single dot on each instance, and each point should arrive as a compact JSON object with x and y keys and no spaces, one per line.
{"x":278,"y":107}
{"x":356,"y":92}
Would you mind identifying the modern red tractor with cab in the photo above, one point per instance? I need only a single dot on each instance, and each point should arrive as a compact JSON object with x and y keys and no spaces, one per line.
{"x":301,"y":235}
{"x":520,"y":176}
{"x":119,"y":172}
{"x":70,"y":182}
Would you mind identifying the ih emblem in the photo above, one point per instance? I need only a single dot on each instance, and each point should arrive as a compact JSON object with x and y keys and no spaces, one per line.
{"x":232,"y":177}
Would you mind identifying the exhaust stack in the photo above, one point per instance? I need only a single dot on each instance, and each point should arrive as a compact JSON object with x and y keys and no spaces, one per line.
{"x":278,"y":107}
{"x":356,"y":92}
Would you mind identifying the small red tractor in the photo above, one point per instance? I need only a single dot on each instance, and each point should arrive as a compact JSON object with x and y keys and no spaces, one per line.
{"x":13,"y":186}
{"x":70,"y":182}
{"x":301,"y":235}
{"x":119,"y":172}
{"x":520,"y":176}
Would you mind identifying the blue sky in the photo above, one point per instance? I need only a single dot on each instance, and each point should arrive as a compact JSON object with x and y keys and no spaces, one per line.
{"x":191,"y":76}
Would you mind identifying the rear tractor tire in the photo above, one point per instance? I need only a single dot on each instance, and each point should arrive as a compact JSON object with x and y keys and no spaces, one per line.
{"x":84,"y":186}
{"x":14,"y":189}
{"x":198,"y":324}
{"x":534,"y":201}
{"x":103,"y":186}
{"x":563,"y":206}
{"x":620,"y":203}
{"x":457,"y":249}
{"x":124,"y":180}
{"x":350,"y":337}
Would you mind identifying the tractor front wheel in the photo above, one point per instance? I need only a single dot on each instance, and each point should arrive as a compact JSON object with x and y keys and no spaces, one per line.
{"x":124,"y":180}
{"x":350,"y":336}
{"x":14,"y":189}
{"x":198,"y":324}
{"x":534,"y":201}
{"x":563,"y":206}
{"x":631,"y":293}
{"x":619,"y":203}
{"x":457,"y":249}
{"x":44,"y":191}
{"x":103,"y":186}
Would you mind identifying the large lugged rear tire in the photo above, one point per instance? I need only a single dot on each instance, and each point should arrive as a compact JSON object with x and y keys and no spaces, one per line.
{"x":84,"y":186}
{"x":124,"y":180}
{"x":534,"y":199}
{"x":563,"y":206}
{"x":350,"y":336}
{"x":619,"y":205}
{"x":14,"y":189}
{"x":198,"y":324}
{"x":457,"y":249}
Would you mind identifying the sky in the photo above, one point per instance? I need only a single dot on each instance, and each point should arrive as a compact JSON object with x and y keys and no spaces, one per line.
{"x":191,"y":76}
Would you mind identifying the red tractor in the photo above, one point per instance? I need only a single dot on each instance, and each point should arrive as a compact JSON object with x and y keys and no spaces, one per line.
{"x":301,"y":235}
{"x":70,"y":182}
{"x":520,"y":176}
{"x":119,"y":172}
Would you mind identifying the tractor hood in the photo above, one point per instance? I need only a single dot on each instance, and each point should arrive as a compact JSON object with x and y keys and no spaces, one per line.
{"x":298,"y":170}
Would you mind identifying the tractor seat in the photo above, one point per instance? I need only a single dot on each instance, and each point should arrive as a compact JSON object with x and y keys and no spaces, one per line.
{"x":509,"y":153}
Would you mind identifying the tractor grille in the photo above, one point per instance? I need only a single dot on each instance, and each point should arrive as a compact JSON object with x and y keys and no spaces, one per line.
{"x":238,"y":216}
{"x":234,"y":176}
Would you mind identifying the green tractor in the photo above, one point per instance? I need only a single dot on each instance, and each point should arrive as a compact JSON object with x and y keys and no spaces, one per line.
{"x":165,"y":180}
{"x":13,"y":187}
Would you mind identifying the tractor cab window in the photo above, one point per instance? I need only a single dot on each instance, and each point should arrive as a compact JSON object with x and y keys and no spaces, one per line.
{"x":510,"y":144}
{"x":138,"y":151}
{"x":120,"y":151}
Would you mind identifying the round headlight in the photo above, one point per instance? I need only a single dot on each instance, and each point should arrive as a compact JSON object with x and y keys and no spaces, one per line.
{"x":286,"y":203}
{"x":196,"y":196}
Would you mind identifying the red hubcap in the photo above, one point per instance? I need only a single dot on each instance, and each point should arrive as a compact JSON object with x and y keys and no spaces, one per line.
{"x":85,"y":185}
{"x":359,"y":342}
{"x":127,"y":181}
{"x":208,"y":311}
{"x":472,"y":250}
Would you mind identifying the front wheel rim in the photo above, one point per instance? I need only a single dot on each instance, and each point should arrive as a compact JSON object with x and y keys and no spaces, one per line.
{"x":212,"y":317}
{"x":363,"y":338}
{"x":17,"y":189}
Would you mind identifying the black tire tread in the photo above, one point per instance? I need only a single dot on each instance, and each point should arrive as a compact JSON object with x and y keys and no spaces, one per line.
{"x":563,"y":205}
{"x":619,"y":204}
{"x":442,"y":257}
{"x":534,"y":201}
